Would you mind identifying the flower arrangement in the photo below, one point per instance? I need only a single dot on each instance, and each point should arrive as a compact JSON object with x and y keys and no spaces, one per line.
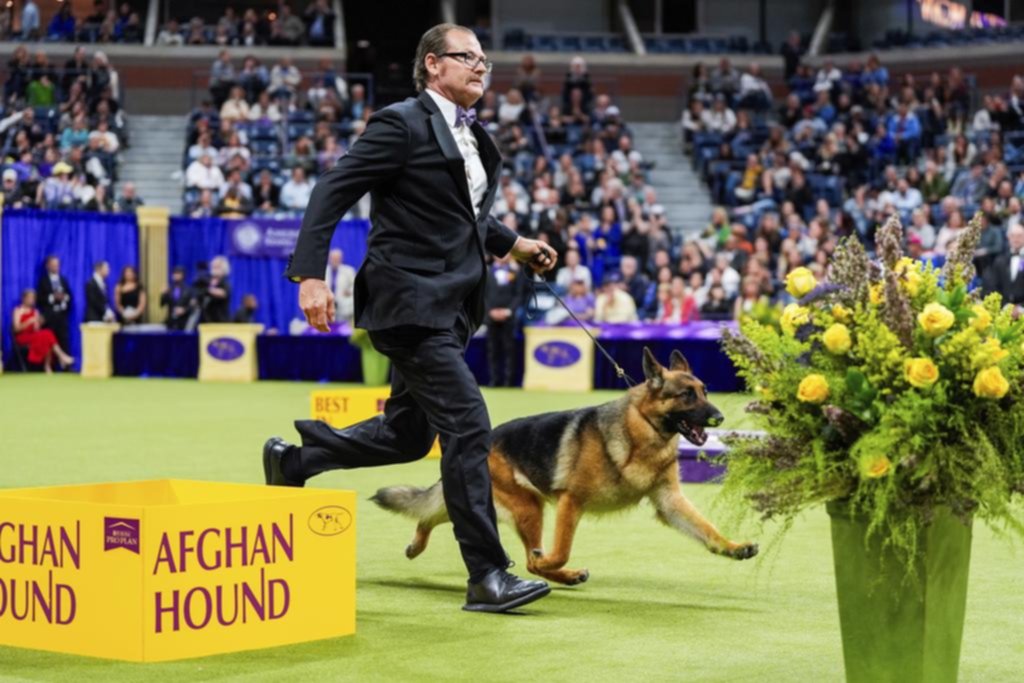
{"x":891,"y":387}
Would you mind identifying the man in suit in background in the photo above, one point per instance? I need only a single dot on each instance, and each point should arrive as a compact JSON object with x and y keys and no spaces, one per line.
{"x":341,"y":279}
{"x":504,"y":296}
{"x":1006,"y":273}
{"x":54,"y":296}
{"x":97,"y":301}
{"x":179,"y":300}
{"x":433,"y":174}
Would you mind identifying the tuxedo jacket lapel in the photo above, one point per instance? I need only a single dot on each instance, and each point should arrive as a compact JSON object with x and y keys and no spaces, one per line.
{"x":450,"y":150}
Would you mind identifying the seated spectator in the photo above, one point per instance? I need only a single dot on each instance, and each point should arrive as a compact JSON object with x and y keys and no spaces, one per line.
{"x":170,"y":34}
{"x":679,"y":306}
{"x":754,"y":91}
{"x":828,"y":77}
{"x":950,"y":232}
{"x":57,"y":191}
{"x":573,"y":271}
{"x":265,"y":109}
{"x":13,"y":192}
{"x":746,"y":190}
{"x":721,"y":119}
{"x":62,"y":26}
{"x":717,"y":305}
{"x":203,"y":147}
{"x":233,"y":204}
{"x":205,"y":207}
{"x":580,"y":302}
{"x":694,"y":120}
{"x":233,"y":148}
{"x":327,"y":157}
{"x":358,"y":108}
{"x":203,"y":174}
{"x":725,"y":79}
{"x":129,"y":201}
{"x":320,"y":20}
{"x":254,"y":79}
{"x":625,"y":157}
{"x":295,"y":193}
{"x":235,"y":107}
{"x":287,"y":29}
{"x":905,"y":129}
{"x":129,"y":297}
{"x":75,"y":136}
{"x":266,"y":195}
{"x":285,"y":78}
{"x":614,"y":304}
{"x":41,"y":344}
{"x":222,"y":74}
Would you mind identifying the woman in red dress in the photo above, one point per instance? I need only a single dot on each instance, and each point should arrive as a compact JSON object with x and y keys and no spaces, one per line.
{"x":28,"y":331}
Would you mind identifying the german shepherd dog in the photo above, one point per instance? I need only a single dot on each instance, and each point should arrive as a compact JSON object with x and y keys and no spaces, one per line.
{"x":597,"y":459}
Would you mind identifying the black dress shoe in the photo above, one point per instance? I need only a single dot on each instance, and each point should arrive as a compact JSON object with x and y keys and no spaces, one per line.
{"x":273,"y":451}
{"x":500,"y":591}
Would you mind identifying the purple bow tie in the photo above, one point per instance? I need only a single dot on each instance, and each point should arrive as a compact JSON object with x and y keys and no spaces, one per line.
{"x":464,"y":117}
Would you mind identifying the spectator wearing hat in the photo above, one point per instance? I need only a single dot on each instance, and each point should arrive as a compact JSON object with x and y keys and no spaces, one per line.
{"x":57,"y":191}
{"x":12,"y":190}
{"x":614,"y":304}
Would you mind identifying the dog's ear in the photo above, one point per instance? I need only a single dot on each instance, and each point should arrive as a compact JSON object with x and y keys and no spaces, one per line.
{"x":677,"y":361}
{"x":652,"y":370}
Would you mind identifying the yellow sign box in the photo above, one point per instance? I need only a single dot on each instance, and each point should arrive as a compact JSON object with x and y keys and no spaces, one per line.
{"x":558,"y":359}
{"x":227,"y":352}
{"x":343,"y":407}
{"x":169,"y":569}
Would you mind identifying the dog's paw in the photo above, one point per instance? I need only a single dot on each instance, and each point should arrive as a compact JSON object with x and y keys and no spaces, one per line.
{"x":744,"y":552}
{"x":412,"y":551}
{"x":582,"y":577}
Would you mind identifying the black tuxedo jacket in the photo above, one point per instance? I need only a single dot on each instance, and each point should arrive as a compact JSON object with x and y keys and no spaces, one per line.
{"x":96,"y":301}
{"x":45,"y":290}
{"x":997,"y":279}
{"x":425,"y":256}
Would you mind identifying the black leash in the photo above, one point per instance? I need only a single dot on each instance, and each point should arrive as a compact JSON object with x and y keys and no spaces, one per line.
{"x":622,"y":374}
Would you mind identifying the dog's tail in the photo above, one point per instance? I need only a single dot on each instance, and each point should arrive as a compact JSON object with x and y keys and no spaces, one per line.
{"x":412,"y":501}
{"x":426,"y":506}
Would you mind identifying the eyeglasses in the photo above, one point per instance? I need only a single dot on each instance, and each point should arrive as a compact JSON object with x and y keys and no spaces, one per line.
{"x":470,"y":60}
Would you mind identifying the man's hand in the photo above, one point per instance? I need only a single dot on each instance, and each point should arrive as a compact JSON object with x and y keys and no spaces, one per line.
{"x":317,"y":303}
{"x":538,"y":255}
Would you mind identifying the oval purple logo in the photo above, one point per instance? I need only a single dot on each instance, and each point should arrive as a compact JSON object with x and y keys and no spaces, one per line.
{"x":557,"y":354}
{"x":330,"y":520}
{"x":225,"y":348}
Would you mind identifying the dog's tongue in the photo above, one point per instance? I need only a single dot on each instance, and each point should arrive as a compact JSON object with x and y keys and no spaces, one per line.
{"x":694,"y":434}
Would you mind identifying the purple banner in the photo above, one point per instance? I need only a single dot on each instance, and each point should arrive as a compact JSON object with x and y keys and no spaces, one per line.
{"x":263,"y":237}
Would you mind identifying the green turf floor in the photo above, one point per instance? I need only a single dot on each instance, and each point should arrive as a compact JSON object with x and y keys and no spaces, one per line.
{"x":657,"y":606}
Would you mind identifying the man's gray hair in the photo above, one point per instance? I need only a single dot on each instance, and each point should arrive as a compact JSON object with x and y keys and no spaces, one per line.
{"x":434,"y":41}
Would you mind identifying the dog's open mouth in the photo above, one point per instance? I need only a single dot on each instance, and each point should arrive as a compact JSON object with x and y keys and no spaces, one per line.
{"x":695,"y":434}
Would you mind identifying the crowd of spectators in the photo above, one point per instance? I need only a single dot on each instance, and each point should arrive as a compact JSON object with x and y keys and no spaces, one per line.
{"x":282,"y":25}
{"x":256,"y":146}
{"x":62,"y":129}
{"x":834,"y":153}
{"x":109,"y":22}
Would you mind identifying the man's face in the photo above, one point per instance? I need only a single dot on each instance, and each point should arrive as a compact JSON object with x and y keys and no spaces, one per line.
{"x":1016,"y":238}
{"x":453,"y":79}
{"x":53,"y":265}
{"x":335,"y":258}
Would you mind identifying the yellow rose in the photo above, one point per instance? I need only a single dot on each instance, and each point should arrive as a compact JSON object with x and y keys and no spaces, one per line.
{"x":936,"y":319}
{"x":989,"y":353}
{"x":921,"y":372}
{"x":874,"y":465}
{"x":813,"y":389}
{"x":837,"y":339}
{"x":982,"y":318}
{"x":875,"y":293}
{"x":793,"y":316}
{"x":990,"y":383}
{"x":800,"y":282}
{"x":841,"y":313}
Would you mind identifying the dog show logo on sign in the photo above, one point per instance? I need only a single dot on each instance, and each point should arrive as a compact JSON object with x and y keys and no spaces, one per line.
{"x":330,"y":520}
{"x":119,"y":532}
{"x":225,"y":349}
{"x":557,"y":354}
{"x":210,"y":568}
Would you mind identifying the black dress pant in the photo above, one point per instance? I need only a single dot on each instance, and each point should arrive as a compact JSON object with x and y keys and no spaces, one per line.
{"x":501,"y":356}
{"x":433,"y":392}
{"x":58,"y":322}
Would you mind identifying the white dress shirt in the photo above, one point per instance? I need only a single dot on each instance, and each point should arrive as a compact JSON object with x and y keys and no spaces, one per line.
{"x":1014,"y":267}
{"x":476,"y":175}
